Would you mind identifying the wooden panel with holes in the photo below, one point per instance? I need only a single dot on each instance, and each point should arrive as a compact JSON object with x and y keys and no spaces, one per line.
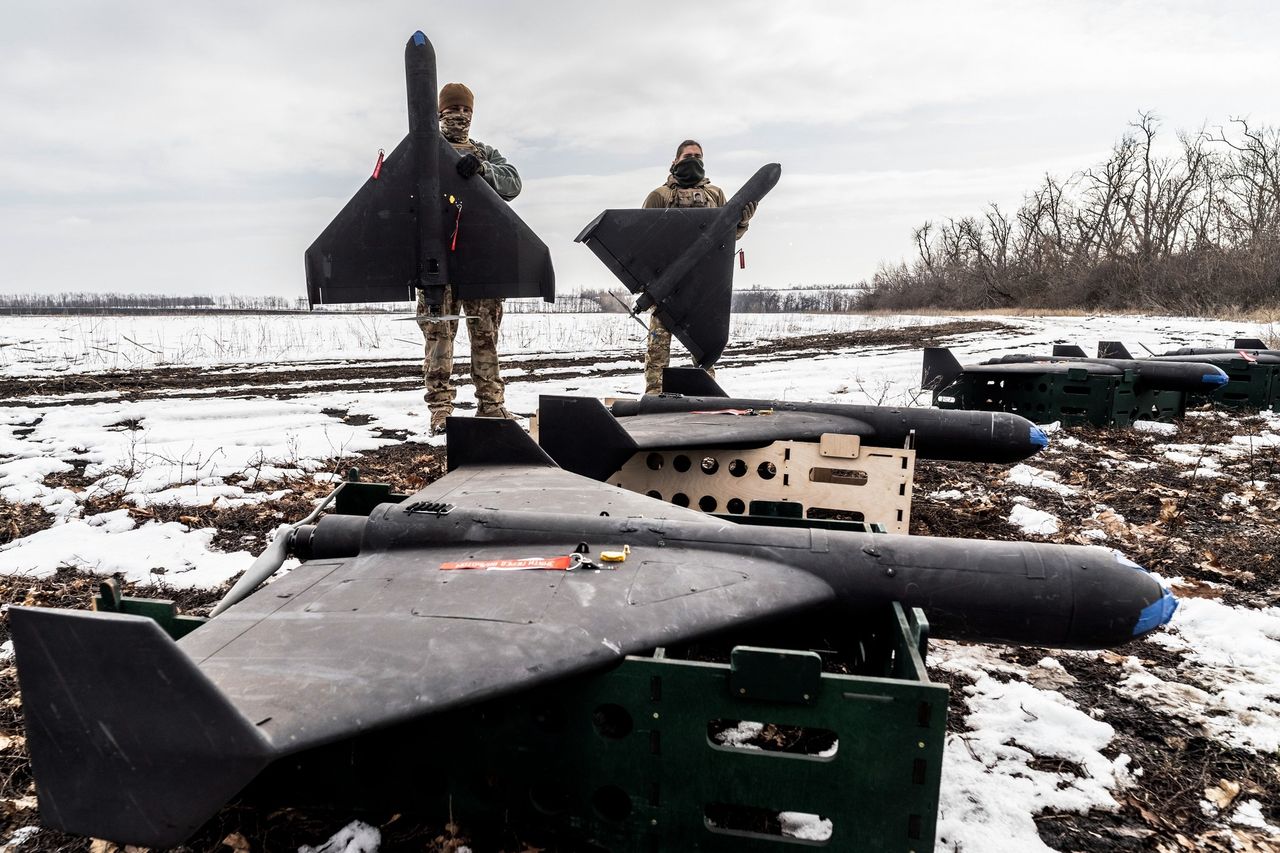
{"x":835,"y":477}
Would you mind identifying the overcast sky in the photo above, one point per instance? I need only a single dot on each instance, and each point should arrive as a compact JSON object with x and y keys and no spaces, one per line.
{"x":200,"y":147}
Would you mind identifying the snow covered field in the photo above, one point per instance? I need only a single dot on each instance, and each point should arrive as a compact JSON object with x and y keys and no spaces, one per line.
{"x":74,"y":431}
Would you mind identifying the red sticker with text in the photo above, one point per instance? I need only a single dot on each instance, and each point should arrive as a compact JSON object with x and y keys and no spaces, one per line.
{"x":548,"y":564}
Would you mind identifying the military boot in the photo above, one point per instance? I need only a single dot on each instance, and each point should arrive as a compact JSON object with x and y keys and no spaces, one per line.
{"x":438,"y":417}
{"x":493,"y":410}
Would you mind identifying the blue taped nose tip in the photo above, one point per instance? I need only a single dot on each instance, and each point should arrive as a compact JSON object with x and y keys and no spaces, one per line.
{"x":1215,"y":379}
{"x":1038,"y":437}
{"x":419,"y":38}
{"x":1155,"y":614}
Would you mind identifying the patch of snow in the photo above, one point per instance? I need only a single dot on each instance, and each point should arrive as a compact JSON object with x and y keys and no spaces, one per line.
{"x":807,"y":827}
{"x":1249,"y":813}
{"x":1264,"y":440}
{"x":1048,"y":673}
{"x":205,"y":493}
{"x":355,"y":837}
{"x":197,"y":440}
{"x":111,"y":542}
{"x":990,"y":791}
{"x":1033,"y":521}
{"x":1157,"y":427}
{"x":1238,"y":652}
{"x":1049,"y":481}
{"x":947,"y":495}
{"x":22,"y":833}
{"x":1182,"y":457}
{"x":739,"y":736}
{"x":28,"y":468}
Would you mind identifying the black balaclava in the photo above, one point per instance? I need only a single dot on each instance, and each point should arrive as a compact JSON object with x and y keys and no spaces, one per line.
{"x":689,"y":171}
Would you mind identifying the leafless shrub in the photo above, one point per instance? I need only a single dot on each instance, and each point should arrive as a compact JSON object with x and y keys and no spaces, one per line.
{"x":1197,"y":232}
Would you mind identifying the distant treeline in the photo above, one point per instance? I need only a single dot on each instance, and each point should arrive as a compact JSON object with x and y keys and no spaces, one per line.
{"x":756,"y":300}
{"x":135,"y":303}
{"x":799,"y":299}
{"x":1193,"y":233}
{"x":812,"y":299}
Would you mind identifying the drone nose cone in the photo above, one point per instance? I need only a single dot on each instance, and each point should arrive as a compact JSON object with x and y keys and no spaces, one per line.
{"x":1156,"y":613}
{"x":1215,"y":379}
{"x":1160,"y":609}
{"x":1038,"y":438}
{"x":419,"y":38}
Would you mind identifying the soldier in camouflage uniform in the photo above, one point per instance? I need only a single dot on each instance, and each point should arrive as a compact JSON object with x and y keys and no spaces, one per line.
{"x":484,"y":316}
{"x":687,"y":186}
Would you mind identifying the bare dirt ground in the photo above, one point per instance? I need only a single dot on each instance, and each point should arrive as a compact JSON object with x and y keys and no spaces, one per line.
{"x":1172,"y":524}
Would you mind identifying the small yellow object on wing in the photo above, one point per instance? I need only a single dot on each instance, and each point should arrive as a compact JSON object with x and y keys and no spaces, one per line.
{"x":615,"y":556}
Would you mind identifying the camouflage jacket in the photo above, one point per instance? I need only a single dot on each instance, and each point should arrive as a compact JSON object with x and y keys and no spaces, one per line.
{"x":702,"y":194}
{"x":496,"y":171}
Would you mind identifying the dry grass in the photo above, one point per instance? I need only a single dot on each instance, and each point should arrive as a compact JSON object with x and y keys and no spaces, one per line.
{"x":1269,"y":316}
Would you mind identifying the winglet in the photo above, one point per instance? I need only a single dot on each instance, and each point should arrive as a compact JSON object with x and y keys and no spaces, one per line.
{"x":129,"y":740}
{"x":1073,"y":350}
{"x":1112,"y":349}
{"x":582,"y":436}
{"x":1249,"y":343}
{"x":940,"y":368}
{"x":491,"y":441}
{"x":691,"y":382}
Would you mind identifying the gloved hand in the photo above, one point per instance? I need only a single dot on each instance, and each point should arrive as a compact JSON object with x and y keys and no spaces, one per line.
{"x":748,"y":211}
{"x":469,"y":165}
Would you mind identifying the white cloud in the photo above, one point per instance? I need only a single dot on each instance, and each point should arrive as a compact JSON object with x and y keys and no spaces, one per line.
{"x":881,"y":116}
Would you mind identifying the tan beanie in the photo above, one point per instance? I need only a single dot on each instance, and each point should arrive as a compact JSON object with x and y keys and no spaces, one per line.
{"x":456,"y":95}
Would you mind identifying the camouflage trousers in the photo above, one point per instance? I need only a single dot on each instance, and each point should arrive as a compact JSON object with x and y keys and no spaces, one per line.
{"x":484,"y":317}
{"x":658,"y":356}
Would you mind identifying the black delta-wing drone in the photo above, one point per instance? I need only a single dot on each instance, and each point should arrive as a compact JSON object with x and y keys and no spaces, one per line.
{"x":416,"y":224}
{"x":941,"y":369}
{"x":489,"y":581}
{"x":680,"y":262}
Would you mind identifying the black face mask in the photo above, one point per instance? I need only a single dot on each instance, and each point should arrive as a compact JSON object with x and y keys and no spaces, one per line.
{"x":688,"y":171}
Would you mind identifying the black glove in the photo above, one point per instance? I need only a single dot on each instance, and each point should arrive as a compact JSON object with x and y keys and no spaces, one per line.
{"x":469,"y":165}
